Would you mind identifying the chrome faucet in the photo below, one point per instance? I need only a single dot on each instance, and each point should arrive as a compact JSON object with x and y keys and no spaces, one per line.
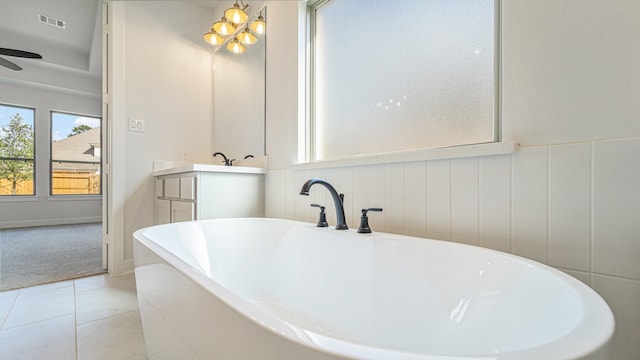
{"x":226,"y":161}
{"x":338,"y":200}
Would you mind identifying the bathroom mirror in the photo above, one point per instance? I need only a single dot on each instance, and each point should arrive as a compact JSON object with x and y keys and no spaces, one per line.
{"x":239,"y":93}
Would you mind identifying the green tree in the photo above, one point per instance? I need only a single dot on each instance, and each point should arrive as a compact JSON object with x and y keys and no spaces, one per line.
{"x":79,"y":129}
{"x":16,"y":152}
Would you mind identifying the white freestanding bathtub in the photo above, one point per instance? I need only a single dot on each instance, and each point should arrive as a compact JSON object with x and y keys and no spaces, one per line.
{"x":279,"y":289}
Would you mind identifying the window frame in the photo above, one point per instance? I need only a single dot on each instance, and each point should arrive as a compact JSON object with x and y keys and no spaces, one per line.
{"x":33,"y":160}
{"x":497,"y":146}
{"x":52,"y":160}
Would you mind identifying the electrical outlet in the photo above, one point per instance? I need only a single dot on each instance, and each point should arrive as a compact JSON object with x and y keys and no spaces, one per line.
{"x":136,"y":125}
{"x":184,"y":155}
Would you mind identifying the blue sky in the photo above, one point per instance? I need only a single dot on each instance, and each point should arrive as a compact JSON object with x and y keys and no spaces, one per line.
{"x":62,"y":122}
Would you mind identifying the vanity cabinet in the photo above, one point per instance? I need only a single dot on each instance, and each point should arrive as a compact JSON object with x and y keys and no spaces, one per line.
{"x":196,"y":195}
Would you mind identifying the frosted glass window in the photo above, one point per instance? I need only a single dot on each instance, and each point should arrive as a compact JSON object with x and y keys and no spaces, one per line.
{"x":402,"y":75}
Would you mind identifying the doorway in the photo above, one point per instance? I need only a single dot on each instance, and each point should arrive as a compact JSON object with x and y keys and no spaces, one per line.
{"x":51,"y":215}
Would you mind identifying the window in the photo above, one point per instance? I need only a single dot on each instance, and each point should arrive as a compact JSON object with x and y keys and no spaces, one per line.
{"x":402,"y":75}
{"x":75,"y":154}
{"x":16,"y":150}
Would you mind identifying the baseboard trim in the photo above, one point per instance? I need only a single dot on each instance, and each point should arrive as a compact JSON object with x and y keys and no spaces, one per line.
{"x":49,"y":222}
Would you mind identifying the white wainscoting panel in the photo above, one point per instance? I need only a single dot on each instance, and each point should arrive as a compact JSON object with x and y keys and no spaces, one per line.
{"x":570,"y":206}
{"x":464,"y":200}
{"x":439,"y":199}
{"x":495,"y":202}
{"x":529,"y":201}
{"x":616,"y":208}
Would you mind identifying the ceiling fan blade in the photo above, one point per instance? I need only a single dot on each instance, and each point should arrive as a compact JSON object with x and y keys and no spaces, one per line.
{"x":19,"y":53}
{"x":8,"y":64}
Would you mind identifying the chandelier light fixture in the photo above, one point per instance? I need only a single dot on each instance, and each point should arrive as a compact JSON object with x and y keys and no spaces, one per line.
{"x":235,"y":30}
{"x":236,"y":47}
{"x":246,"y":37}
{"x":213,"y":38}
{"x":236,"y":14}
{"x":223,"y":27}
{"x":258,"y":26}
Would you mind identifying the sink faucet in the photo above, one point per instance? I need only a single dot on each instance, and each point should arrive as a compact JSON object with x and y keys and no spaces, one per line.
{"x":226,"y":161}
{"x":337,"y":200}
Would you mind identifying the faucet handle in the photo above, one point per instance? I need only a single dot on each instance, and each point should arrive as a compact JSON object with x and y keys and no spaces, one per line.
{"x":364,"y":211}
{"x":364,"y":221}
{"x":322,"y":220}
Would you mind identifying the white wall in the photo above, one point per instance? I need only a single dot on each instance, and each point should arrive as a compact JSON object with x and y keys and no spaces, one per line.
{"x":569,"y":71}
{"x":161,"y":72}
{"x":569,"y":197}
{"x":285,"y":81}
{"x":43,"y":209}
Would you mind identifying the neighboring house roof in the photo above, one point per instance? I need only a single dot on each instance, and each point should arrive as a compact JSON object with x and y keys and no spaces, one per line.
{"x":81,"y":147}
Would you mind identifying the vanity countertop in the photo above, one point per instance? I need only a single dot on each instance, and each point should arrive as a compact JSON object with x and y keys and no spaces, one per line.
{"x":210,"y":168}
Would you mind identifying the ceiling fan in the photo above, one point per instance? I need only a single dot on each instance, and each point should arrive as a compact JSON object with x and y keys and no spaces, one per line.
{"x":17,"y":53}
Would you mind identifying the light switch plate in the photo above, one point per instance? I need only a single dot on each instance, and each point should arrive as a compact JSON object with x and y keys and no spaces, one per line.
{"x":136,"y":125}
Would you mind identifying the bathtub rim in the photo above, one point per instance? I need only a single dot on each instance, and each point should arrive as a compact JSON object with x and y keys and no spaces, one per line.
{"x":343,"y":348}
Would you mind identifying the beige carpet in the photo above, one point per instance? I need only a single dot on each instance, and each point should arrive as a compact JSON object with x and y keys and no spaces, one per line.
{"x":40,"y":255}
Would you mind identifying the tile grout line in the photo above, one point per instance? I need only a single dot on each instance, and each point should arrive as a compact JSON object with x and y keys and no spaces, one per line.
{"x":511,"y":213}
{"x":30,"y":294}
{"x":75,"y":291}
{"x":548,"y":208}
{"x":592,"y":195}
{"x":4,"y":321}
{"x":36,"y":322}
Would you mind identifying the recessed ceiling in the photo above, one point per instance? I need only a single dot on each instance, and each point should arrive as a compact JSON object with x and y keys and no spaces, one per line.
{"x":70,"y":47}
{"x":74,"y":51}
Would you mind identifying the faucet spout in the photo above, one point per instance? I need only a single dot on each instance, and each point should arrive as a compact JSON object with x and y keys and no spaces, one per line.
{"x":226,"y":161}
{"x":338,"y":200}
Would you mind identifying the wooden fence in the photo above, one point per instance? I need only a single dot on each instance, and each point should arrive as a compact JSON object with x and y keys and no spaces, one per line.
{"x":69,"y":183}
{"x":24,"y":187}
{"x":62,"y":183}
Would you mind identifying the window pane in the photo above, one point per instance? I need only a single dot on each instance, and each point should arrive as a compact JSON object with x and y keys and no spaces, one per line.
{"x":402,"y":75}
{"x":16,"y":150}
{"x":75,"y":154}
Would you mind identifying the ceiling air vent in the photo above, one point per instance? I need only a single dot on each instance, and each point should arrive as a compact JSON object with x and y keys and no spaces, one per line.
{"x":52,"y":21}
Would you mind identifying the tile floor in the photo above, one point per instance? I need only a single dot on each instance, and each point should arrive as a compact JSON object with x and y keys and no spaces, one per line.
{"x":90,"y":318}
